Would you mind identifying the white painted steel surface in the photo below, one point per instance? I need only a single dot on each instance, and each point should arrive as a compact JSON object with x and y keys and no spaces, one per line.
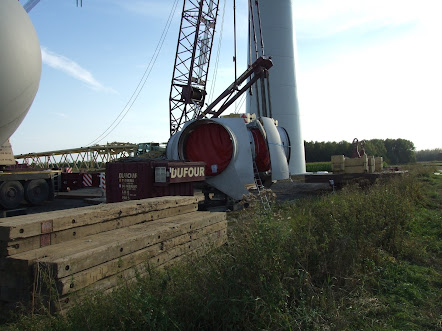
{"x":280,"y":43}
{"x":239,"y":174}
{"x":278,"y":159}
{"x":172,"y":146}
{"x":20,"y":66}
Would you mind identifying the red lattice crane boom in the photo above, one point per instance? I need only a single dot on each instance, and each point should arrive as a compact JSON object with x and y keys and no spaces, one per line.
{"x":188,"y":88}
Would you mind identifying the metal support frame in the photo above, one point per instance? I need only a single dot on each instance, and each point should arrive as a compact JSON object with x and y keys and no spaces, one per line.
{"x":195,"y":41}
{"x":79,"y":159}
{"x":258,"y":70}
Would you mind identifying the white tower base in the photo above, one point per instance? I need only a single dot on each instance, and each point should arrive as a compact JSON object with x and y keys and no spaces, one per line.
{"x":280,"y":43}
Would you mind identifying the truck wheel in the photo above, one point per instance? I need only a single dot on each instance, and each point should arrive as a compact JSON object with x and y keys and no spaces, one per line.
{"x":36,"y":191}
{"x":11,"y":194}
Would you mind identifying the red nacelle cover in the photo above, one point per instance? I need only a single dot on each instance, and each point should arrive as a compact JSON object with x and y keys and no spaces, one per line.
{"x":212,"y":144}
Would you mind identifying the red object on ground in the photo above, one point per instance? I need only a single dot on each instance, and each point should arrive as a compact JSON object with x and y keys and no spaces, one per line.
{"x":210,"y":143}
{"x":262,"y":156}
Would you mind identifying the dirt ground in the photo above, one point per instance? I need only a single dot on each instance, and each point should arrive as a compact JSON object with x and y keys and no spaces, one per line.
{"x":290,"y":190}
{"x":285,"y":190}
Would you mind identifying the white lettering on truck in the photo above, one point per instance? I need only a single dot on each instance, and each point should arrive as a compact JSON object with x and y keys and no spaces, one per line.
{"x":124,"y":175}
{"x":186,"y":172}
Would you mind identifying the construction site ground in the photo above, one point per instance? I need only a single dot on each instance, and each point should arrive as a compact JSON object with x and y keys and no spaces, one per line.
{"x":81,"y":248}
{"x":285,"y":190}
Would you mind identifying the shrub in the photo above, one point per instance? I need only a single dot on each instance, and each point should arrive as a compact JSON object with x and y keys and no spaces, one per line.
{"x":338,"y":261}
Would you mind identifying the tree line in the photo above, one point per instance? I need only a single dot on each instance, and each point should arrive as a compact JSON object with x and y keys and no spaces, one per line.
{"x":393,"y":151}
{"x":429,"y":155}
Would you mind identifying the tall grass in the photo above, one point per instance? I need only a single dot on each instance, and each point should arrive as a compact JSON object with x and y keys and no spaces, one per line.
{"x":363,"y":258}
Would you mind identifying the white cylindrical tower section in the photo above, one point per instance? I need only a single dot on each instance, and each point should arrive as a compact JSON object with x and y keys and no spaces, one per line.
{"x":20,"y":66}
{"x":277,"y":21}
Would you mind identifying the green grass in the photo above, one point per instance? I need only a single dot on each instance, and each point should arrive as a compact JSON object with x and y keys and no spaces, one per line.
{"x":360,"y":259}
{"x":318,"y":166}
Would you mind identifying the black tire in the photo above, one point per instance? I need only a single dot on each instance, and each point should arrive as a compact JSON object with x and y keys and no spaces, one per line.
{"x":36,"y":191}
{"x":11,"y":194}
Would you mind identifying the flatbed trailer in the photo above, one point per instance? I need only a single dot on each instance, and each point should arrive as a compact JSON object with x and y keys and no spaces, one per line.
{"x":340,"y":179}
{"x":33,"y":186}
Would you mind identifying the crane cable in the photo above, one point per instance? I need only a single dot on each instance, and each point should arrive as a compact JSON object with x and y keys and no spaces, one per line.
{"x":212,"y":87}
{"x":240,"y":103}
{"x":142,"y":81}
{"x":234,"y":40}
{"x":261,"y":108}
{"x":267,"y":104}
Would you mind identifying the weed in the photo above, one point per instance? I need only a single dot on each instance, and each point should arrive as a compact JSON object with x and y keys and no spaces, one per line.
{"x":364,"y":258}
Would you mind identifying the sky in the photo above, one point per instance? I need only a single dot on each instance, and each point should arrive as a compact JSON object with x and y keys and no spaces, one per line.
{"x":365,"y":69}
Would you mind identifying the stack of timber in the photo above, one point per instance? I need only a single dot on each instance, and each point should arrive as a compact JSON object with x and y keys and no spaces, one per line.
{"x":363,"y":164}
{"x":61,"y":255}
{"x":378,"y":164}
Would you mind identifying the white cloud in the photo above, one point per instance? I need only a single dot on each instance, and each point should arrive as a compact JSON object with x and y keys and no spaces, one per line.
{"x":388,"y":91}
{"x":62,"y":115}
{"x":387,"y":88}
{"x":322,"y":18}
{"x":71,"y":68}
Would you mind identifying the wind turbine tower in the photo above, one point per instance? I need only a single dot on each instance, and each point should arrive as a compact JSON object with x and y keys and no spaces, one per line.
{"x":279,"y":41}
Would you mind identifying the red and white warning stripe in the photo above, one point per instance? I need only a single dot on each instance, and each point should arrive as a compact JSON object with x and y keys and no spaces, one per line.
{"x":67,"y":170}
{"x":102,"y":180}
{"x":87,"y":180}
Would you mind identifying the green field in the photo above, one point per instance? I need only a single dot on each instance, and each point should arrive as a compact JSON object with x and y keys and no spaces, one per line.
{"x":318,"y":166}
{"x":359,"y":259}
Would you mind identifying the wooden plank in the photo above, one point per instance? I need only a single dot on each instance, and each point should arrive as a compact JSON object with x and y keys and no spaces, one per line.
{"x":27,"y":244}
{"x":30,"y":225}
{"x":379,"y":164}
{"x":176,"y":255}
{"x":338,"y":167}
{"x":87,"y":277}
{"x":356,"y":169}
{"x":337,"y":159}
{"x":217,"y":240}
{"x":72,"y":257}
{"x":352,"y":162}
{"x":371,"y":164}
{"x":211,"y":236}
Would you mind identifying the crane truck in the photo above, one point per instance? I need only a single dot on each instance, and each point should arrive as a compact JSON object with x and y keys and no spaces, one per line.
{"x":238,"y":152}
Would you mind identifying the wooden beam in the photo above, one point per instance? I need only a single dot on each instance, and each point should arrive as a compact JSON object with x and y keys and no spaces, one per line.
{"x":200,"y":247}
{"x":31,"y":225}
{"x":77,"y":233}
{"x":68,"y":258}
{"x":87,"y":277}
